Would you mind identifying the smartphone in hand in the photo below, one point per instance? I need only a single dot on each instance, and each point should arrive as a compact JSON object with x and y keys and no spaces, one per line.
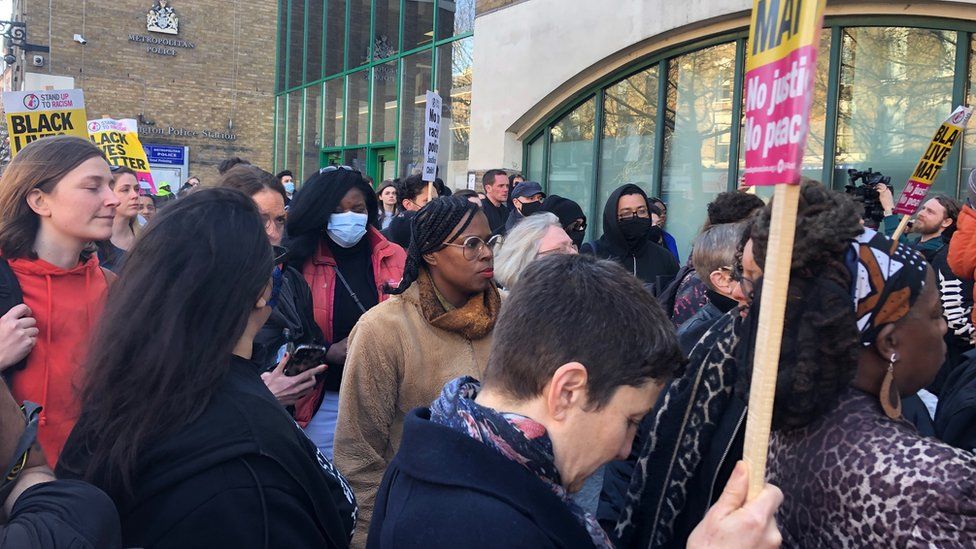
{"x":305,"y":357}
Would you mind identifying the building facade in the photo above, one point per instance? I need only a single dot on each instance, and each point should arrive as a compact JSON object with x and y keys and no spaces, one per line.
{"x":351,"y":80}
{"x":585,"y":96}
{"x":652,"y":93}
{"x":198,"y":76}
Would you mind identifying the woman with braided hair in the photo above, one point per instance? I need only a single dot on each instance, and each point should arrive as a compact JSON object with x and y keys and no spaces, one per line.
{"x":436,"y":327}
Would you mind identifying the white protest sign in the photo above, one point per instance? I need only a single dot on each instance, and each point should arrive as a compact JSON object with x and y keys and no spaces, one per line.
{"x":432,"y":135}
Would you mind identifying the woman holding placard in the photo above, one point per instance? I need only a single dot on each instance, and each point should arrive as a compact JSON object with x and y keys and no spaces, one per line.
{"x":853,"y":471}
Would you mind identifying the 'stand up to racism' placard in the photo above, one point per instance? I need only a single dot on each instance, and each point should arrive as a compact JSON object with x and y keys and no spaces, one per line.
{"x":782,"y":56}
{"x":119,"y":139}
{"x":32,"y":115}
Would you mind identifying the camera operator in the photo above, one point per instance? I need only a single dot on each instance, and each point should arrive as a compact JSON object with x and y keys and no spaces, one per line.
{"x":40,"y":511}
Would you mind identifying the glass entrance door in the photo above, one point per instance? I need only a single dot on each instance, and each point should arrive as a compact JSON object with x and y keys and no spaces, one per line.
{"x":382,"y":164}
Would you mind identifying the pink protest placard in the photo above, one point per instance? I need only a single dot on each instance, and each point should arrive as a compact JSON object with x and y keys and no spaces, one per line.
{"x":780,"y":68}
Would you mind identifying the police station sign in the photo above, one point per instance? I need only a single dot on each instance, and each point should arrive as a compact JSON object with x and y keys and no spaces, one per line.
{"x":32,"y":115}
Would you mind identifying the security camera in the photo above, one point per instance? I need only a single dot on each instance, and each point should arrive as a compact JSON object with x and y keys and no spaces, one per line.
{"x":80,"y":39}
{"x":9,"y":59}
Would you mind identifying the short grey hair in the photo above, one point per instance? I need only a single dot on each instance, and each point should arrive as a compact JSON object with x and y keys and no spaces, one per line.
{"x":521,"y":246}
{"x":715,"y":248}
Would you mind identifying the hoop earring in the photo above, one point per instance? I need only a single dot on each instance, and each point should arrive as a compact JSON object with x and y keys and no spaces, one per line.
{"x":889,"y":397}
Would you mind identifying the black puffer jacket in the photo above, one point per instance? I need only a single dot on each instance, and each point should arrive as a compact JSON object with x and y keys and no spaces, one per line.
{"x":648,"y":261}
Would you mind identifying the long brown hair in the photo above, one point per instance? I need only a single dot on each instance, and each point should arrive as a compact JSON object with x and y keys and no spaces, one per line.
{"x":40,"y":165}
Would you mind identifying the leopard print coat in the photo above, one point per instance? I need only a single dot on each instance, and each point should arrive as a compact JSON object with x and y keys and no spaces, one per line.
{"x":855,"y":478}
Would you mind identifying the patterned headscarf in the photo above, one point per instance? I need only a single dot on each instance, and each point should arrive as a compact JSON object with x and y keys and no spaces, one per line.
{"x":887,"y":280}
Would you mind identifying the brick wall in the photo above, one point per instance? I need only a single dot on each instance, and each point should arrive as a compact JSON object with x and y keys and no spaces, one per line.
{"x":227,"y":76}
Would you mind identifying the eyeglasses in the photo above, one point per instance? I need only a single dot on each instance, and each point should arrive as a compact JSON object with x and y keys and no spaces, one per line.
{"x":746,"y":284}
{"x":473,"y":246}
{"x":629,"y":214}
{"x":336,"y":167}
{"x":578,"y":225}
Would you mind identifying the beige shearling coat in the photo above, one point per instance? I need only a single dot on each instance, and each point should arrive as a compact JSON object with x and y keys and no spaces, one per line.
{"x":396,"y":362}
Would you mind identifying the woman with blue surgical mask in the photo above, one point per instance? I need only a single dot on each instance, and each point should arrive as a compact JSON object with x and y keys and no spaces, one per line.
{"x":347,"y":263}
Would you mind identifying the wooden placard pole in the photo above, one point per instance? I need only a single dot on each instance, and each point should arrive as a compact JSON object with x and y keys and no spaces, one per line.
{"x":776,"y":282}
{"x":902,"y":225}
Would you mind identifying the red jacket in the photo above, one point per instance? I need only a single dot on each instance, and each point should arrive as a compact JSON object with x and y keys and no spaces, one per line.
{"x":319,"y":271}
{"x":962,"y":248}
{"x":66,"y":305}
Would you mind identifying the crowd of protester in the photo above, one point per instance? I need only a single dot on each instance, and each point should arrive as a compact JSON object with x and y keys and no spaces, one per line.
{"x":345,"y":364}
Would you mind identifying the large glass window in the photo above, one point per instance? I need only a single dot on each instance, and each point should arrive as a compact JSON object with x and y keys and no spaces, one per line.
{"x":334,"y":115}
{"x":454,"y":86}
{"x":335,"y":36}
{"x":313,"y":41}
{"x":969,"y":152}
{"x":359,"y":42}
{"x":536,"y":159}
{"x":455,"y":17}
{"x":895,"y":90}
{"x":357,"y":108}
{"x":281,"y":119}
{"x":413,"y":97}
{"x":627,"y":151}
{"x":293,"y":137}
{"x":296,"y":44}
{"x":282,"y":71}
{"x":384,"y":102}
{"x":892,"y":87}
{"x":363,"y":93}
{"x":418,"y":23}
{"x":571,"y":150}
{"x":698,"y":124}
{"x":386,"y":39}
{"x":312,"y":142}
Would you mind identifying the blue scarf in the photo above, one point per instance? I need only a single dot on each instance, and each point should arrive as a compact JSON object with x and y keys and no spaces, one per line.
{"x":518,"y":438}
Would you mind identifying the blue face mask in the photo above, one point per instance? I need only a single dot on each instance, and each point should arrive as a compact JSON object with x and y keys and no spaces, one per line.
{"x":290,"y":187}
{"x":347,"y":229}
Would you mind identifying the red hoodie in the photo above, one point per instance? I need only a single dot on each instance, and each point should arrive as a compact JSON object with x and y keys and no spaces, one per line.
{"x":66,"y":304}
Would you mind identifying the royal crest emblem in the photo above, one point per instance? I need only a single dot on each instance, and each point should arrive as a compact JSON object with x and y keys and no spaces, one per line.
{"x":162,"y":18}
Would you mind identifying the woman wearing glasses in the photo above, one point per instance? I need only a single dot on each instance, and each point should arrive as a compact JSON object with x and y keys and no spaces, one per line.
{"x":291,"y":321}
{"x":347,"y":263}
{"x":437,"y":327}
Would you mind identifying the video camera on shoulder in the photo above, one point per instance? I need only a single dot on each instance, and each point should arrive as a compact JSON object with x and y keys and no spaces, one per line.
{"x":866,"y":193}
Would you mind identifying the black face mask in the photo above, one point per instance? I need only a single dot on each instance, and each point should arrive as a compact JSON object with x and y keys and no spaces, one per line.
{"x":655,"y":234}
{"x":531,"y":208}
{"x":577,"y":237}
{"x":635,"y":229}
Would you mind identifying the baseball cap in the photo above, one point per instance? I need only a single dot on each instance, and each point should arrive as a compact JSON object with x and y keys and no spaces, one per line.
{"x":526,"y":189}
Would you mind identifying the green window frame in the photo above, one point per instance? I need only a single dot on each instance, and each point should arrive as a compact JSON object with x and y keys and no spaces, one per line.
{"x":283,"y":60}
{"x":965,"y":33}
